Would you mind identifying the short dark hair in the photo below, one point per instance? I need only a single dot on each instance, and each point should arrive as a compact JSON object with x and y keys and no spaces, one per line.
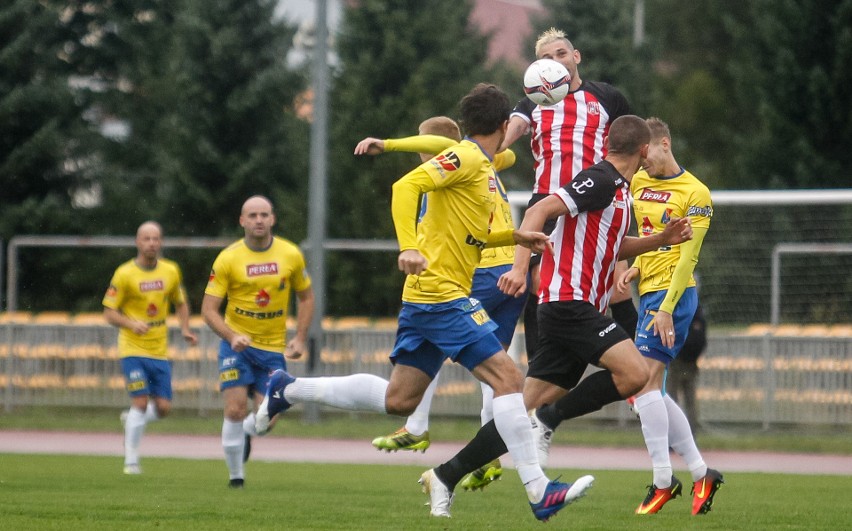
{"x":628,"y":134}
{"x":484,"y":109}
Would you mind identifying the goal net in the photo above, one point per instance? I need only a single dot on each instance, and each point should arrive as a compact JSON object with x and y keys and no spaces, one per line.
{"x":813,"y":283}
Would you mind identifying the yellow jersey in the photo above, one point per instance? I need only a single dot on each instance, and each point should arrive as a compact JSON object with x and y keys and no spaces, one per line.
{"x":497,"y":256}
{"x":492,"y":256}
{"x":145,"y":295}
{"x":655,"y":202}
{"x":258,"y":286}
{"x":462,"y":184}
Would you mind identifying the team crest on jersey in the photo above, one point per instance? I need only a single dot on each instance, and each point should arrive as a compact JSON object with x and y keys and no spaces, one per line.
{"x":593,"y":108}
{"x":704,"y":212}
{"x":446,"y":162}
{"x":647,"y":226}
{"x":655,"y":196}
{"x":667,"y":216}
{"x":262,"y":298}
{"x":151,"y":310}
{"x":492,"y":184}
{"x":256,"y":270}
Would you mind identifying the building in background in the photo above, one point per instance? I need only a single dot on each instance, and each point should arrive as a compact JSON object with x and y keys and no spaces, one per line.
{"x":507,"y":23}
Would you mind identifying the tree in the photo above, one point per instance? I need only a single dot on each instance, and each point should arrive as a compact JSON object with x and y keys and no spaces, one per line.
{"x":44,"y":141}
{"x":200,"y":93}
{"x":402,"y":62}
{"x":792,"y":72}
{"x":602,"y":30}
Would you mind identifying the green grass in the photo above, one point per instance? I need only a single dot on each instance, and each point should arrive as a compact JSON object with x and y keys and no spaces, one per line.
{"x":809,"y":439}
{"x":90,"y":493}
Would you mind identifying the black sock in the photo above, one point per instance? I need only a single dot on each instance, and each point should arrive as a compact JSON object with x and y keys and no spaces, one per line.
{"x":591,"y":394}
{"x":531,"y":325}
{"x":486,"y":446}
{"x":624,"y":313}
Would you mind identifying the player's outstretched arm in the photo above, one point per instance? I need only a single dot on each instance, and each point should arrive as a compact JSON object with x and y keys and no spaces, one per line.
{"x":677,"y":231}
{"x":370,"y":146}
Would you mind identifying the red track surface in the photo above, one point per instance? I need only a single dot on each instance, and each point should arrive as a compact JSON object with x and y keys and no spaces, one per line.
{"x":360,"y":451}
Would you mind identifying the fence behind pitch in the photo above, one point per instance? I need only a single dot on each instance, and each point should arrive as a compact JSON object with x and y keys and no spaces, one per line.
{"x":764,"y":376}
{"x":735,"y":266}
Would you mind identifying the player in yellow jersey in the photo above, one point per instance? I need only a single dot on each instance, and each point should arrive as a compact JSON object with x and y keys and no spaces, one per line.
{"x":436,"y":134}
{"x":137,"y":303}
{"x":438,"y":319}
{"x":258,"y":275}
{"x":667,"y":304}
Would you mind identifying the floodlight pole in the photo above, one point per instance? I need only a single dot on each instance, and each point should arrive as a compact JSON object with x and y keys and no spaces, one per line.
{"x":317,"y":195}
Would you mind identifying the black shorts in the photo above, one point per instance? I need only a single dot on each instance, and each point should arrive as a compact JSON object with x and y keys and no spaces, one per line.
{"x":571,"y":335}
{"x":549,"y":225}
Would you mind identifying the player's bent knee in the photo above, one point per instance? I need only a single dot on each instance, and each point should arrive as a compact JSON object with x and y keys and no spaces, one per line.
{"x":400,"y":407}
{"x":235,"y":413}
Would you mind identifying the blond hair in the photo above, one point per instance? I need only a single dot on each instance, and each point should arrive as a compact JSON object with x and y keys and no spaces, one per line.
{"x":550,"y":36}
{"x":442,"y":126}
{"x":659,"y":129}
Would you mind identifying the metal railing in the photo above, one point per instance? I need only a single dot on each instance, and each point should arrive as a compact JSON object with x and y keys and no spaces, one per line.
{"x":757,"y":379}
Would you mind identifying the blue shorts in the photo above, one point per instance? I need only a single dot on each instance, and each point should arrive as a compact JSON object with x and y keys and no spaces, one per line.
{"x":250,"y":367}
{"x":147,"y":376}
{"x":503,"y":309}
{"x":430,"y":333}
{"x":650,"y":345}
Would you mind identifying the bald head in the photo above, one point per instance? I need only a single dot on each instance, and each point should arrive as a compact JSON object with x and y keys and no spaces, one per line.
{"x":149,"y":227}
{"x":149,"y":241}
{"x":256,"y":202}
{"x":257,"y":219}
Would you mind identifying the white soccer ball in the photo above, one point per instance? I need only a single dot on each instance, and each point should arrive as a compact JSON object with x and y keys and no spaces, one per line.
{"x":546,"y":82}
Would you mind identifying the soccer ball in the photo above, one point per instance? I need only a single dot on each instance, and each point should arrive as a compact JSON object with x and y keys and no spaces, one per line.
{"x":546,"y":82}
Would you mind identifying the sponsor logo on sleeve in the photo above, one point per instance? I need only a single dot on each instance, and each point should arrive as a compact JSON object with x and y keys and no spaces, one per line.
{"x":447,"y":161}
{"x":704,"y":212}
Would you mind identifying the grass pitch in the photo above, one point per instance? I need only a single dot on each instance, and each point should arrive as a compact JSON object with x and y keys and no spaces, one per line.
{"x":90,"y":493}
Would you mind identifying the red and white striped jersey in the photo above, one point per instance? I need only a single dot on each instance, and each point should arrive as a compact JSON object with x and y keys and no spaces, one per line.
{"x":586,"y":241}
{"x":569,"y":136}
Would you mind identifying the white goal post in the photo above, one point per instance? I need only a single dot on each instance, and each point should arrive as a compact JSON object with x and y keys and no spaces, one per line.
{"x":742,"y":279}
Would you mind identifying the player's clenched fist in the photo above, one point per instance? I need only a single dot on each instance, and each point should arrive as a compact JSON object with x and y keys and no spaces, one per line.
{"x":411,"y":262}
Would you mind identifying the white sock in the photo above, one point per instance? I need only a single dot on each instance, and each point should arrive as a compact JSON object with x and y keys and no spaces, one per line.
{"x":655,"y":428}
{"x":487,"y":413}
{"x":134,"y":428}
{"x":151,"y":412}
{"x":418,"y":422}
{"x":356,"y":392}
{"x":513,"y":425}
{"x":233,"y":442}
{"x":248,"y":425}
{"x":682,"y":441}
